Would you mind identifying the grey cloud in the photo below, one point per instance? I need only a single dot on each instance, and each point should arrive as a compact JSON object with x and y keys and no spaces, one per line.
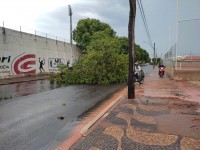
{"x":159,"y":14}
{"x":114,"y":12}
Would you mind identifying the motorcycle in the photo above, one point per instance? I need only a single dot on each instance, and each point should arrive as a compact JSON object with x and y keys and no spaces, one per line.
{"x":139,"y":78}
{"x":161,"y":71}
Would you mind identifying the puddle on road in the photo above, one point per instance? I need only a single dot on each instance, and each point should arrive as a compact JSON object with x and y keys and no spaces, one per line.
{"x":11,"y":91}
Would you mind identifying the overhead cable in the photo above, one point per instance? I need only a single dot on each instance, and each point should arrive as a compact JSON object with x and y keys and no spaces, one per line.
{"x":144,"y":21}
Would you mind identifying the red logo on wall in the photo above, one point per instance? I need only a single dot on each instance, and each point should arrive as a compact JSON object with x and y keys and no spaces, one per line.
{"x":25,"y":64}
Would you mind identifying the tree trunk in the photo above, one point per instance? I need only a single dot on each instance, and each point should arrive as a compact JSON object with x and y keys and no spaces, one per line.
{"x":131,"y":37}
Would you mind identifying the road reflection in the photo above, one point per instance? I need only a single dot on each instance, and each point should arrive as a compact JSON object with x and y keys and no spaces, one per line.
{"x":11,"y":91}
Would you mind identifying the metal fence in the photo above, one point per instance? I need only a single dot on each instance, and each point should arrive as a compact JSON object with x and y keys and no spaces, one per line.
{"x":185,"y":54}
{"x":34,"y":32}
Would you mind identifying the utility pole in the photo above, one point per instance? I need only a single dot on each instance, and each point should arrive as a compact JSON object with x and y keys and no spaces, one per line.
{"x":131,"y":37}
{"x":177,"y":16}
{"x":70,"y":14}
{"x":154,"y":53}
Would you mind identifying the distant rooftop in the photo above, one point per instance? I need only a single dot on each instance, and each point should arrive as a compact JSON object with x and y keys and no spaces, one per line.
{"x":191,"y":58}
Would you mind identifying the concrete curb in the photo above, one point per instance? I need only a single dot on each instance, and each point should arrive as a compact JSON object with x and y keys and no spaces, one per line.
{"x":91,"y":123}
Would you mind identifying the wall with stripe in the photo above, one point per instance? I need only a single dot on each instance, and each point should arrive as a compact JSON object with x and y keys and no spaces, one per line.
{"x":22,"y":53}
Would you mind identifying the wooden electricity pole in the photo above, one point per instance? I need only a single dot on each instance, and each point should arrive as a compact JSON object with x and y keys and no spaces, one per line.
{"x":131,"y":37}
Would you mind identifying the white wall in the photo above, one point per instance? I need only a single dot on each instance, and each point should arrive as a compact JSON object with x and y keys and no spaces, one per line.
{"x":20,"y":53}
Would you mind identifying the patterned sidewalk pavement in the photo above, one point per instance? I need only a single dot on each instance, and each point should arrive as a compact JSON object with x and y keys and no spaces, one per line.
{"x":165,"y":115}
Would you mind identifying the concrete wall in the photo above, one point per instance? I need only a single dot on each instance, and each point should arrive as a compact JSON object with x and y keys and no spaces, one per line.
{"x":187,"y":75}
{"x":185,"y":70}
{"x":20,"y":53}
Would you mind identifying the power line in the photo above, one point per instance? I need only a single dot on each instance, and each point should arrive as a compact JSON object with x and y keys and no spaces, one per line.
{"x":144,"y":21}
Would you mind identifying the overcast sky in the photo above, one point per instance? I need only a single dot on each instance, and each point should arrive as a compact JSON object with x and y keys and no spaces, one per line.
{"x":51,"y":17}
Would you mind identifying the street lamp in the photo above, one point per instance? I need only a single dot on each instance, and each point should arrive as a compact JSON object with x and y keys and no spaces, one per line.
{"x":70,"y":14}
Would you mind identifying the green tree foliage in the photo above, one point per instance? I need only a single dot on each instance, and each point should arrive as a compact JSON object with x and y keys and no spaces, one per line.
{"x":159,"y":61}
{"x":103,"y":41}
{"x":141,"y":55}
{"x":104,"y":59}
{"x":97,"y":67}
{"x":123,"y":41}
{"x":92,"y":34}
{"x":85,"y":30}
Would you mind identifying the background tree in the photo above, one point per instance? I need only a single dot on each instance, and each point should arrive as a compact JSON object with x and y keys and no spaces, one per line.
{"x":85,"y":30}
{"x":103,"y":41}
{"x":92,"y":34}
{"x":141,"y":55}
{"x":123,"y":41}
{"x":159,"y":61}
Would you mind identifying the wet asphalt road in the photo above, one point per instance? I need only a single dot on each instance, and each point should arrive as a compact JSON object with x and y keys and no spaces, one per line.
{"x":31,"y":122}
{"x":11,"y":91}
{"x":29,"y":112}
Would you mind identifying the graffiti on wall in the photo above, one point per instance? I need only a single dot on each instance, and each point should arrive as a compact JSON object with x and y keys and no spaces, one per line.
{"x":24,"y":64}
{"x":54,"y":63}
{"x":27,"y":64}
{"x":21,"y":64}
{"x":42,"y":62}
{"x":4,"y":64}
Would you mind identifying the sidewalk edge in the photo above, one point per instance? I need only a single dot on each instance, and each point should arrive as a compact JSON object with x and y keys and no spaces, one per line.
{"x":91,"y":123}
